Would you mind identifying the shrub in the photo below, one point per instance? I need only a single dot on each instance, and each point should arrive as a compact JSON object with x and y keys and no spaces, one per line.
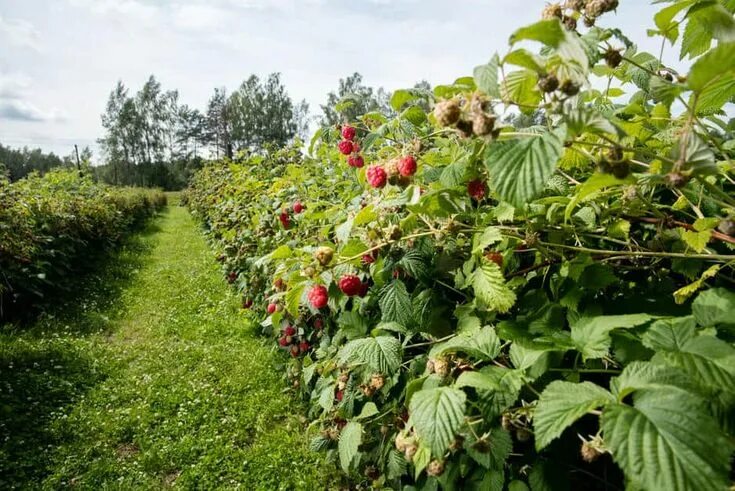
{"x":548,"y":307}
{"x":49,"y":225}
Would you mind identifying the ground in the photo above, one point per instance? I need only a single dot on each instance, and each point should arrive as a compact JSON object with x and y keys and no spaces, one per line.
{"x":149,"y":377}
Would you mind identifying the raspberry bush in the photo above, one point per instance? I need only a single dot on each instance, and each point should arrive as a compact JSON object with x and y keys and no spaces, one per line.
{"x":546,"y":307}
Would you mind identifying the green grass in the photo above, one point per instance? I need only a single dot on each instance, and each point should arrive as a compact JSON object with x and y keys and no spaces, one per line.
{"x":152,"y":378}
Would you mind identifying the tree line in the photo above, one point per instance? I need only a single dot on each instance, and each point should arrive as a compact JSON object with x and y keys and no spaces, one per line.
{"x":151,"y":138}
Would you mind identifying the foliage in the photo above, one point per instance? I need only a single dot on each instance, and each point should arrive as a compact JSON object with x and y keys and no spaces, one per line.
{"x":49,"y":225}
{"x":18,"y":163}
{"x":548,"y":307}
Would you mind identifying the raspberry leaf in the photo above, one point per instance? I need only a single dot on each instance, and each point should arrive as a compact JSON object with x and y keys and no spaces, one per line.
{"x":520,"y":168}
{"x":591,"y":335}
{"x":349,"y":442}
{"x":437,"y":415}
{"x":381,"y":354}
{"x":563,"y":403}
{"x":490,"y":289}
{"x":667,"y":441}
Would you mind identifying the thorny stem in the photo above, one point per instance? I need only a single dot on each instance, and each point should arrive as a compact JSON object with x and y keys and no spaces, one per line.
{"x":678,"y":255}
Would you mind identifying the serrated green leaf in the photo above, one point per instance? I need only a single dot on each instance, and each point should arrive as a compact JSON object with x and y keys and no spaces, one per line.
{"x":395,"y":303}
{"x":349,"y":441}
{"x":682,"y":294}
{"x":519,"y":169}
{"x":640,"y":375}
{"x":563,"y":403}
{"x":437,"y":415}
{"x":490,"y":289}
{"x":482,"y":344}
{"x":591,"y":335}
{"x":397,"y":465}
{"x":486,"y":77}
{"x":696,"y":241}
{"x":717,"y":63}
{"x":667,"y":441}
{"x":382,"y":354}
{"x":500,"y":445}
{"x":713,"y":307}
{"x":519,"y":87}
{"x":293,"y":298}
{"x":549,"y":32}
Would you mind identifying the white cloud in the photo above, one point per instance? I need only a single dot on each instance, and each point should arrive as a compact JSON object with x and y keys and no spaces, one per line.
{"x":12,"y":85}
{"x":20,"y":33}
{"x":135,"y":9}
{"x":19,"y":110}
{"x":198,"y":17}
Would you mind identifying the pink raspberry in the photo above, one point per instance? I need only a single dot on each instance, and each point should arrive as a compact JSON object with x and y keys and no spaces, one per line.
{"x":289,"y":331}
{"x":298,"y":207}
{"x":271,"y":308}
{"x":345,"y":147}
{"x":318,"y":296}
{"x":476,"y":189}
{"x":407,"y":166}
{"x":348,"y":132}
{"x":355,"y":160}
{"x":350,"y":285}
{"x":376,"y":176}
{"x":285,"y":220}
{"x":304,"y":346}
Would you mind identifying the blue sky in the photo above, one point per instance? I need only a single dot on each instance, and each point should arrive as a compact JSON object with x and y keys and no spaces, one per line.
{"x":59,"y":59}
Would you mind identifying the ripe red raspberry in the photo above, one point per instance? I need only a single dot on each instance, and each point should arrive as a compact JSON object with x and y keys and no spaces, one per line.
{"x":294,"y":350}
{"x":348,"y":132}
{"x":298,"y":207}
{"x":285,"y":220}
{"x":289,"y":331}
{"x":476,"y":189}
{"x":345,"y":147}
{"x":339,"y":395}
{"x":407,"y":166}
{"x":318,"y":323}
{"x":304,"y":346}
{"x":282,"y":341}
{"x":350,"y":285}
{"x":355,"y":161}
{"x":376,"y":176}
{"x":271,"y":308}
{"x":368,"y":259}
{"x":318,"y":296}
{"x":495,"y":257}
{"x":355,"y":147}
{"x":363,"y":289}
{"x":247,"y":303}
{"x":231,"y":277}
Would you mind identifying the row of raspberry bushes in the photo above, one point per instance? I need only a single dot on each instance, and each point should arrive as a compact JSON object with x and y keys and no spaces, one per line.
{"x":467,"y":305}
{"x":50,"y":225}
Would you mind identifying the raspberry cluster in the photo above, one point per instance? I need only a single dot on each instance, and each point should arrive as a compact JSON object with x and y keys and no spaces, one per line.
{"x":469,"y":117}
{"x":296,"y":345}
{"x":350,"y":148}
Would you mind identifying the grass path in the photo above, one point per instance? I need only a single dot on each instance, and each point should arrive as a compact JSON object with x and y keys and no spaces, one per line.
{"x":153,"y":380}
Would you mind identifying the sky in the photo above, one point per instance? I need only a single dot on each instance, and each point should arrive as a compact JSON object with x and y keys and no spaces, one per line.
{"x":59,"y":59}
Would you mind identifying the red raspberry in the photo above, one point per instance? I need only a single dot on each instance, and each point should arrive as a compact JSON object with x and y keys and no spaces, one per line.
{"x":289,"y":331}
{"x":318,"y":324}
{"x":476,"y":189}
{"x":282,"y":341}
{"x":368,"y":259}
{"x":294,"y":351}
{"x":355,"y":161}
{"x":376,"y":176}
{"x":318,"y":296}
{"x":304,"y":346}
{"x":271,"y":308}
{"x":339,"y":395}
{"x":345,"y":147}
{"x":348,"y":132}
{"x":247,"y":303}
{"x":350,"y":285}
{"x":363,"y":289}
{"x":495,"y":257}
{"x":285,"y":220}
{"x":231,"y":277}
{"x":407,"y":166}
{"x":355,"y":147}
{"x":298,"y":207}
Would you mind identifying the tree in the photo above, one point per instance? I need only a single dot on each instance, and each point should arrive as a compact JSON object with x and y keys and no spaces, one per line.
{"x":219,"y":123}
{"x":353,"y":99}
